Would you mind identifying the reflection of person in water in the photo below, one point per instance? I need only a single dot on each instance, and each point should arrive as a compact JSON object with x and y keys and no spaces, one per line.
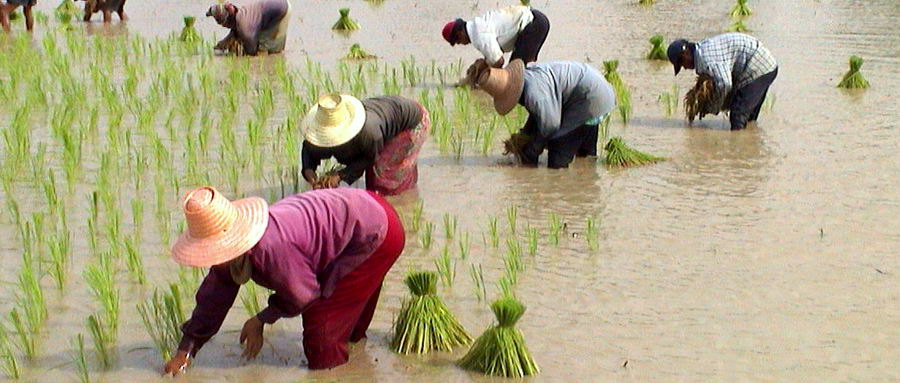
{"x":723,"y":162}
{"x":258,"y":27}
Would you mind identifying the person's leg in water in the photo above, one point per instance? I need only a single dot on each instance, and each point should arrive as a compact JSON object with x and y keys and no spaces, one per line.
{"x":588,"y":146}
{"x":561,"y":151}
{"x":747,"y":101}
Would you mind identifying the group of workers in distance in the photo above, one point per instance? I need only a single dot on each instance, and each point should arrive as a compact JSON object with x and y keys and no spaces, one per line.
{"x":325,"y":253}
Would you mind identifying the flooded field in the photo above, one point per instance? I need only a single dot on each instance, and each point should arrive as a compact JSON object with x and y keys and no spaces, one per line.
{"x":769,"y":254}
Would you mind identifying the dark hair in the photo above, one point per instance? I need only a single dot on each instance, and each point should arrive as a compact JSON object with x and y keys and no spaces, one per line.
{"x":459,"y":25}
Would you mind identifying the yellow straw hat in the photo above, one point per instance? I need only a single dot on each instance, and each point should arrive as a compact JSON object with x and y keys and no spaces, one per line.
{"x":504,"y":85}
{"x":334,"y":120}
{"x":218,"y":230}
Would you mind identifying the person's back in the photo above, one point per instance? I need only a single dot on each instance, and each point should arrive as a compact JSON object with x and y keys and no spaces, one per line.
{"x":744,"y":57}
{"x":566,"y":94}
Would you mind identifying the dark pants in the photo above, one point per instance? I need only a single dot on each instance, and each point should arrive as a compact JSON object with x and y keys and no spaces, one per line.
{"x":531,"y":39}
{"x":581,"y":142}
{"x":747,"y":101}
{"x":329,"y":324}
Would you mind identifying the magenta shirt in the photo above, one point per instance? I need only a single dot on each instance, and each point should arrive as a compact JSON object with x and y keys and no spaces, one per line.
{"x":312,"y":240}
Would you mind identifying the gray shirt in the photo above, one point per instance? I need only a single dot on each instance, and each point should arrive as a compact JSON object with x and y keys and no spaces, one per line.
{"x":561,"y":96}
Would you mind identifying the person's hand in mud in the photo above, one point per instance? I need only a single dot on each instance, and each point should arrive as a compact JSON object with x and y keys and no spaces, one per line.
{"x":515,"y":145}
{"x":328,"y":181}
{"x":180,"y":362}
{"x":252,"y":337}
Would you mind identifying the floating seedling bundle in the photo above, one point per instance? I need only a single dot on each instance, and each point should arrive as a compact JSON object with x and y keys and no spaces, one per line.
{"x":618,"y":154}
{"x":623,"y":95}
{"x":741,"y":9}
{"x":501,"y":350}
{"x":189,"y":34}
{"x":424,"y":322}
{"x":657,"y":52}
{"x":345,"y":23}
{"x":854,"y":78}
{"x":698,"y":101}
{"x":357,"y":53}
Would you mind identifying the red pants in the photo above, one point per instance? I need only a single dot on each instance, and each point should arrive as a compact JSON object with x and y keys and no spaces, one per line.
{"x":330,"y":323}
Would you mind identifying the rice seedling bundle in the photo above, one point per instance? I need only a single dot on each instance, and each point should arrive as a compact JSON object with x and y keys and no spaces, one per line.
{"x":424,"y":322}
{"x":345,"y":23}
{"x":741,"y":9}
{"x":620,"y":155}
{"x":189,"y":34}
{"x":854,"y":79}
{"x":657,"y":52}
{"x":623,"y":95}
{"x":357,"y":53}
{"x":698,"y":101}
{"x":163,"y":315}
{"x":66,"y":11}
{"x":501,"y":349}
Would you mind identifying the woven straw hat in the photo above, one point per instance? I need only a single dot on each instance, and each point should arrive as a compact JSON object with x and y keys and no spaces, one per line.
{"x":334,"y":120}
{"x":218,"y":230}
{"x":504,"y":85}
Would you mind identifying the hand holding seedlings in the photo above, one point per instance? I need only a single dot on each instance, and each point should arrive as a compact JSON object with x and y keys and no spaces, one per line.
{"x":178,"y":364}
{"x":327,"y":181}
{"x":252,"y":337}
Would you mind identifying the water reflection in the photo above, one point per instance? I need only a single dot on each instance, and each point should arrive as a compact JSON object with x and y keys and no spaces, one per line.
{"x":723,"y":162}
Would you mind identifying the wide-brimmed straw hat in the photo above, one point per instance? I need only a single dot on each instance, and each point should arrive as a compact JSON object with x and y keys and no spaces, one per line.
{"x":334,"y":120}
{"x":504,"y":85}
{"x":218,"y":230}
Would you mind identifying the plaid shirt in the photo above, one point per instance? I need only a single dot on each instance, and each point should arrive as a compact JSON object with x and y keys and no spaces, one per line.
{"x":733,"y":60}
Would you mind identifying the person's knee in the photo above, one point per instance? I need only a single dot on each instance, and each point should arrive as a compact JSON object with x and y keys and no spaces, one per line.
{"x":323,"y":351}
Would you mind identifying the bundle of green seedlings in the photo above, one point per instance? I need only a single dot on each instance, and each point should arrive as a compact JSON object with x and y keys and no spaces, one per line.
{"x":738,"y":25}
{"x":357,"y":53}
{"x":345,"y":23}
{"x":189,"y":34}
{"x":618,"y":154}
{"x":698,"y":101}
{"x":424,"y":322}
{"x":854,"y":79}
{"x":66,"y":11}
{"x":501,"y":349}
{"x":623,"y":95}
{"x":741,"y":9}
{"x":657,"y":52}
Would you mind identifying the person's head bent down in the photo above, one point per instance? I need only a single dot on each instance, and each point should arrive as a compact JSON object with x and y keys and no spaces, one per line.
{"x":681,"y":54}
{"x":334,"y":120}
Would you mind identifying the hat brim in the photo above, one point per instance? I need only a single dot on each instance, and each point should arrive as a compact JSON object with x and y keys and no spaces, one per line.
{"x":336,"y":135}
{"x":504,"y":103}
{"x":248,"y":228}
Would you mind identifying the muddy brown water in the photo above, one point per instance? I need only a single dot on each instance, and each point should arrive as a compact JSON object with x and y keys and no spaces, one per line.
{"x":769,"y":254}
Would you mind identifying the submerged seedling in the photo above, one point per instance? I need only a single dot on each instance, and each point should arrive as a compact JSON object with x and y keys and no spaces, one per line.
{"x":591,"y":233}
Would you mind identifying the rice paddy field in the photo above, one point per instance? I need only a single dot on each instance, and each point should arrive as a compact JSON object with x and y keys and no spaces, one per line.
{"x":768,"y":254}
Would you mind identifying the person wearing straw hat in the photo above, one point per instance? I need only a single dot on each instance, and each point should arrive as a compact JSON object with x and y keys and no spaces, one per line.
{"x":9,"y":6}
{"x":258,"y":27}
{"x":323,"y":253}
{"x":565,"y":100}
{"x":519,"y":29}
{"x":379,"y":136}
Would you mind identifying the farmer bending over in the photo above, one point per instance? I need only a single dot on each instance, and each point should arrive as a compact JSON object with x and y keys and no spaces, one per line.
{"x":380,"y":136}
{"x":8,"y":7}
{"x":107,"y":7}
{"x":324,"y":254}
{"x":566,"y":101}
{"x":740,"y":66}
{"x":258,"y":27}
{"x":518,"y":29}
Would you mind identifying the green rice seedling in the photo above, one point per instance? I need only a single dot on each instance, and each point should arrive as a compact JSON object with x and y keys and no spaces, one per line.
{"x":100,"y":278}
{"x":66,"y":11}
{"x":163,"y":315}
{"x":464,"y":245}
{"x":104,"y":340}
{"x":79,"y":357}
{"x":591,"y":233}
{"x":450,"y":223}
{"x":425,"y":237}
{"x":513,"y":259}
{"x":357,"y":53}
{"x":417,"y":215}
{"x":669,"y":101}
{"x":345,"y":23}
{"x":134,"y":261}
{"x":532,"y":234}
{"x":854,"y":79}
{"x":618,"y":154}
{"x":189,"y":34}
{"x":477,"y":275}
{"x":656,"y":51}
{"x":493,"y":227}
{"x":27,"y":338}
{"x":8,"y":361}
{"x":555,"y":228}
{"x":741,"y":9}
{"x":58,"y":247}
{"x":738,"y":25}
{"x":623,"y":95}
{"x":501,"y":350}
{"x":424,"y":323}
{"x":446,"y":268}
{"x":250,"y":298}
{"x":512,"y":216}
{"x":507,"y":285}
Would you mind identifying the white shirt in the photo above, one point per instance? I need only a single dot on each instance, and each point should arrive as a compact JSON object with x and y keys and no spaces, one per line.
{"x":495,"y":32}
